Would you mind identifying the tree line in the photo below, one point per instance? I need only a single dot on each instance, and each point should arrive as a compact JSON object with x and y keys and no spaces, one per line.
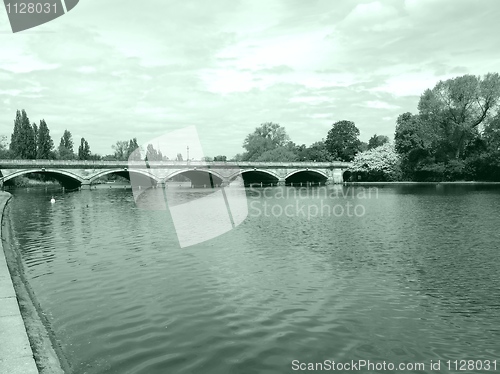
{"x":455,"y":135}
{"x":30,"y":141}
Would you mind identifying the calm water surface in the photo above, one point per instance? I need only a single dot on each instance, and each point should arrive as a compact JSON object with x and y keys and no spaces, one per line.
{"x":416,"y":278}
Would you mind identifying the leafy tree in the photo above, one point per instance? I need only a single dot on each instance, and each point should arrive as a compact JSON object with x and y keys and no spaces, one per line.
{"x":315,"y":152}
{"x":179,"y":157}
{"x":363,"y":146}
{"x":84,"y":150}
{"x":4,"y":149}
{"x":15,"y":139}
{"x":44,"y":142}
{"x":126,"y":149}
{"x":414,"y":141}
{"x":22,"y":142}
{"x":342,"y":140}
{"x":35,"y":138}
{"x":456,"y":107}
{"x":65,"y":149}
{"x":491,"y":134}
{"x":95,"y":157}
{"x":121,"y":150}
{"x":377,"y":140}
{"x":266,"y":137}
{"x":280,"y":154}
{"x":377,"y":164}
{"x":410,"y":134}
{"x":220,"y":158}
{"x":152,"y":154}
{"x":133,"y":146}
{"x":237,"y":157}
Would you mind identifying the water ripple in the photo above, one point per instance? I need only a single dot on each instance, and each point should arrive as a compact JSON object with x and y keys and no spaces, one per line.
{"x":414,"y":279}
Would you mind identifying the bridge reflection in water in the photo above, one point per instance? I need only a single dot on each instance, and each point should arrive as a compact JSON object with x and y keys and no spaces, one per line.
{"x":85,"y":174}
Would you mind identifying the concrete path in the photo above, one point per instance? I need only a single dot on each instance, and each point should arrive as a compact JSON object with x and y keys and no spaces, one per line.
{"x":16,"y":356}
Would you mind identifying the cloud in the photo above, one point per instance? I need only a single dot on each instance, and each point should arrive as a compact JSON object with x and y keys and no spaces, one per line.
{"x":112,"y":71}
{"x":377,"y":104}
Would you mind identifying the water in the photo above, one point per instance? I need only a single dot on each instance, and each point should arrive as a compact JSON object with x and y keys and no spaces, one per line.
{"x":414,"y":279}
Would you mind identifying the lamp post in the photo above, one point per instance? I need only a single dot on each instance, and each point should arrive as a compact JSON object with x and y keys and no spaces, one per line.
{"x":187,"y":153}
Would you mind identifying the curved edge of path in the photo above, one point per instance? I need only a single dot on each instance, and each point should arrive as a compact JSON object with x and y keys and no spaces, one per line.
{"x":25,"y":344}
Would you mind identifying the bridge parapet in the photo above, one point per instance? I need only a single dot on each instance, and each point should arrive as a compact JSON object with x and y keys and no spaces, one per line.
{"x":87,"y":164}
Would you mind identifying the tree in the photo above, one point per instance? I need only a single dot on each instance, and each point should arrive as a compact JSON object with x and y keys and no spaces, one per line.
{"x":44,"y":142}
{"x":4,"y":150}
{"x":342,"y":140}
{"x":179,"y":157}
{"x":410,"y":134}
{"x":220,"y":158}
{"x":133,"y":149}
{"x":456,"y":107}
{"x":35,"y":138}
{"x":83,"y":150}
{"x":65,"y":149}
{"x":377,"y":164}
{"x":121,"y":150}
{"x":237,"y":157}
{"x":377,"y":140}
{"x":415,"y":141}
{"x":491,"y":133}
{"x":280,"y":154}
{"x":22,"y":142}
{"x":15,"y":139}
{"x":152,"y":154}
{"x":363,"y":146}
{"x":266,"y":137}
{"x":315,"y":152}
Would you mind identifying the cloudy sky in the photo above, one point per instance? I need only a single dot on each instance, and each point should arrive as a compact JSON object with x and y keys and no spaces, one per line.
{"x":114,"y":69}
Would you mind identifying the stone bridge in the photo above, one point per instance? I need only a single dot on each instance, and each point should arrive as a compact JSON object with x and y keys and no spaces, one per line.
{"x":83,"y":174}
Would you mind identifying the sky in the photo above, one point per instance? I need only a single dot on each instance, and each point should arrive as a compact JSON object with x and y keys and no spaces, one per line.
{"x":112,"y":70}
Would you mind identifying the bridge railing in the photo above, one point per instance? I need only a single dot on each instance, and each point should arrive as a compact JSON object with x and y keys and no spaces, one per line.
{"x":170,"y":163}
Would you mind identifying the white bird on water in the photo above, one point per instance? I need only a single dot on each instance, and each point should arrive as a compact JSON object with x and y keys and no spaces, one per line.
{"x":52,"y":200}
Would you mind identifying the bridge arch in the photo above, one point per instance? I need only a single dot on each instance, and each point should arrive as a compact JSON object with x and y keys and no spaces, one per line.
{"x":123,"y":172}
{"x":306,"y":170}
{"x":255,"y":170}
{"x":68,"y":177}
{"x":199,"y":177}
{"x":306,"y":175}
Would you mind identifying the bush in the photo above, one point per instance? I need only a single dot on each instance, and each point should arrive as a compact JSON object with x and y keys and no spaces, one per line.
{"x":381,"y":164}
{"x":484,"y":167}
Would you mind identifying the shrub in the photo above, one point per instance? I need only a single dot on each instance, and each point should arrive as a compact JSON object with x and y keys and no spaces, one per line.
{"x":377,"y":164}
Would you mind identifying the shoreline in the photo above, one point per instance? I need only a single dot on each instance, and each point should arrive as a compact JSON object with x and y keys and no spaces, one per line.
{"x":45,"y":352}
{"x":457,"y":183}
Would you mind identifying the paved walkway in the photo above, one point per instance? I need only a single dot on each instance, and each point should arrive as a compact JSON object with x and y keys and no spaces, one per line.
{"x":16,"y":356}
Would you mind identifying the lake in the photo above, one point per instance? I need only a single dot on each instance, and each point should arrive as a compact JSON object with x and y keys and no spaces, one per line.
{"x":412,"y":275}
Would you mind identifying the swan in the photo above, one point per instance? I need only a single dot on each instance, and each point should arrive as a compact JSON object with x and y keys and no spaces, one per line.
{"x":52,"y":200}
